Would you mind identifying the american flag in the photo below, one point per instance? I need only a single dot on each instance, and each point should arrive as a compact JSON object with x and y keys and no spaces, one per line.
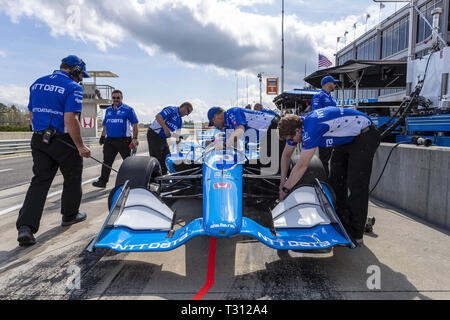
{"x":324,"y":62}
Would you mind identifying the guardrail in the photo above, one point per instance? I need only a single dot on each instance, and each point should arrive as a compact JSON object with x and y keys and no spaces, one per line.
{"x":11,"y":147}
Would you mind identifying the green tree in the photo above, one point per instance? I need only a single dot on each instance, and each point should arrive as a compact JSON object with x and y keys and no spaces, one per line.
{"x":12,"y":116}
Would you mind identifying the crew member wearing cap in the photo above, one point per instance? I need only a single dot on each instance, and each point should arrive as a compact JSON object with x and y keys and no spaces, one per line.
{"x":54,"y":108}
{"x":167,"y":121}
{"x":259,"y":107}
{"x":117,"y":136}
{"x":355,"y":140}
{"x":242,"y":120}
{"x":324,"y":100}
{"x":239,"y":120}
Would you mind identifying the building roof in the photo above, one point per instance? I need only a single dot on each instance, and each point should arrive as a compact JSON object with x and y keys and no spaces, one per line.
{"x":372,"y":74}
{"x":102,"y":74}
{"x":296,"y":98}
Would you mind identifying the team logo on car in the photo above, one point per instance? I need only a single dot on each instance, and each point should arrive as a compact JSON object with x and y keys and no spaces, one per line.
{"x":222,"y":186}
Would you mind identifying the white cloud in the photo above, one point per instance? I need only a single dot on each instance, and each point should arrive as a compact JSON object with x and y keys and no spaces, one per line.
{"x":69,"y":17}
{"x":2,"y":54}
{"x":247,"y":3}
{"x":147,"y":113}
{"x":212,"y":33}
{"x":12,"y":94}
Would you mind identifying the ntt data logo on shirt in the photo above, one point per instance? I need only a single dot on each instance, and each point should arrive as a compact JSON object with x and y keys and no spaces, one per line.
{"x":47,"y":110}
{"x":48,"y":87}
{"x":306,"y":137}
{"x":330,"y":142}
{"x":114,"y":121}
{"x":320,"y":114}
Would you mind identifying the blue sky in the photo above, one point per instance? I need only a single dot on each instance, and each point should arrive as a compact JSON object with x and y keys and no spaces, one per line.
{"x":167,"y":52}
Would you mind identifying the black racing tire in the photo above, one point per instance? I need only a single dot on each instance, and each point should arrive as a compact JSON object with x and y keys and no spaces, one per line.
{"x":139,"y":171}
{"x":315,"y":171}
{"x":111,"y":196}
{"x":332,"y":192}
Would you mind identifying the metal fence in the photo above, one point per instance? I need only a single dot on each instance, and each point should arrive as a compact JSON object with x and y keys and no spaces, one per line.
{"x":10,"y":147}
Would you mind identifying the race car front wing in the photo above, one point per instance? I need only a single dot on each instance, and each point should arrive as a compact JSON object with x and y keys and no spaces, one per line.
{"x":139,"y":221}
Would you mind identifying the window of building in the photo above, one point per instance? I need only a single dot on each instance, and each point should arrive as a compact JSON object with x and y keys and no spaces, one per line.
{"x":345,"y":57}
{"x":423,"y":30}
{"x":367,"y":50}
{"x":448,"y":25}
{"x":384,"y":92}
{"x":348,"y":94}
{"x":395,"y":38}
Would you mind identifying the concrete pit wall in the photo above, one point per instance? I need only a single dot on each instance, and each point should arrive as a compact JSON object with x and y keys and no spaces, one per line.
{"x":417,"y":179}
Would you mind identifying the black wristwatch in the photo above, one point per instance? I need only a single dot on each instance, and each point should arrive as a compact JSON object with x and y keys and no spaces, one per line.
{"x":286,"y":190}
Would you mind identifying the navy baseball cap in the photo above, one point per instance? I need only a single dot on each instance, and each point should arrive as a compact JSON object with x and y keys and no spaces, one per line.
{"x":329,"y":79}
{"x":75,"y":61}
{"x":211,"y":113}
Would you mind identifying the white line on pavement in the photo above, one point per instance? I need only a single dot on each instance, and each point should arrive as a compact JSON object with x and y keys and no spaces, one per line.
{"x":11,"y":209}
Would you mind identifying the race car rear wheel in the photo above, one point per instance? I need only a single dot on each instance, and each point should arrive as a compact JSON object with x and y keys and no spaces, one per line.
{"x":315,"y":171}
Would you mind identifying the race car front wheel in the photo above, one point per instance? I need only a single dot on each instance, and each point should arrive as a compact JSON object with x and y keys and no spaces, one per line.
{"x":139,"y":171}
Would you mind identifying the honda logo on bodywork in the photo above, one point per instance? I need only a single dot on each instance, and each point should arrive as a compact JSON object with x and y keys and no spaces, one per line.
{"x":222,"y":186}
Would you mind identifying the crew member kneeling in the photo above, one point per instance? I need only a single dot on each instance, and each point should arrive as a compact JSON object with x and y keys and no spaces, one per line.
{"x":355,"y":141}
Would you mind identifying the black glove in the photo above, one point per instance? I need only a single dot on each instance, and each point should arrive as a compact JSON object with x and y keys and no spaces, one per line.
{"x":102,"y":140}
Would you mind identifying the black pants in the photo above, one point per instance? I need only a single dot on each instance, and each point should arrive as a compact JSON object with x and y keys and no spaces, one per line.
{"x":351,"y":169}
{"x":112,"y":147}
{"x":266,"y":148}
{"x":47,"y":159}
{"x":325,"y":156}
{"x":158,"y":148}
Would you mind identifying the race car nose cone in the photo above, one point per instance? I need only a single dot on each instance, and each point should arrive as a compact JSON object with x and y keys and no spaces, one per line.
{"x":222,"y":230}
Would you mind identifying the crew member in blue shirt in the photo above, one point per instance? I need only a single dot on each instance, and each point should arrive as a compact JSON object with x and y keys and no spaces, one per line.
{"x":117,"y":136}
{"x":355,"y":140}
{"x":54,"y":107}
{"x":242,"y":121}
{"x":166,"y":122}
{"x":259,"y":107}
{"x":324,"y":100}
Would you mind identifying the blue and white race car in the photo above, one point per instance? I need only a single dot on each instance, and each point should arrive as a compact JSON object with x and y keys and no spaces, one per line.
{"x":141,"y":219}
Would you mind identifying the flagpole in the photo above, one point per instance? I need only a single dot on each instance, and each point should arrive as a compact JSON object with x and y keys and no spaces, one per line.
{"x":247,"y":89}
{"x":305,"y":77}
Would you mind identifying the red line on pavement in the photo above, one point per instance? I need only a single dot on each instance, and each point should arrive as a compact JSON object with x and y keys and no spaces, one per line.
{"x":210,"y":272}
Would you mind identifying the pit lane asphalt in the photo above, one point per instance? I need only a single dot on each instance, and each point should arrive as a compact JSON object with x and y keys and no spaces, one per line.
{"x":411,"y":256}
{"x":17,"y":170}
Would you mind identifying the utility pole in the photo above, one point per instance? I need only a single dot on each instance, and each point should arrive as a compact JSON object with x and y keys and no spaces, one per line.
{"x":237,"y":90}
{"x":260,"y":87}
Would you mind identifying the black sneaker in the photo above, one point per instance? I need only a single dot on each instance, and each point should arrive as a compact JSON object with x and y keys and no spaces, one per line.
{"x":99,"y":184}
{"x":25,"y":237}
{"x":78,"y":218}
{"x":359,"y":242}
{"x":369,"y":224}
